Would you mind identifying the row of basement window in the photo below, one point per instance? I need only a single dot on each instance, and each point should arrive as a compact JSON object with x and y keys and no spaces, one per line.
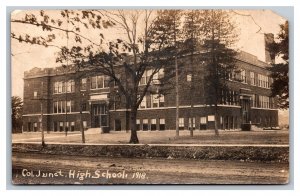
{"x":66,"y":126}
{"x":57,"y":126}
{"x":150,"y":124}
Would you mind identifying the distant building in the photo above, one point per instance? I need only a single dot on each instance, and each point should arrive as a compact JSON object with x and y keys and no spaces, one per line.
{"x":247,"y":102}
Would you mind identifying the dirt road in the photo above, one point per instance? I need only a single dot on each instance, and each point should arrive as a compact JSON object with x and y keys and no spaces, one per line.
{"x":62,"y":169}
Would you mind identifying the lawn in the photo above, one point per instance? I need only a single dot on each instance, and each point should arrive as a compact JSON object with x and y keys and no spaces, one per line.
{"x":163,"y":137}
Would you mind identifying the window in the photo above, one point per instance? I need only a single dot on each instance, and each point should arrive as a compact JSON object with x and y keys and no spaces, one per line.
{"x":99,"y":82}
{"x":264,"y":101}
{"x":235,"y":98}
{"x":56,"y":87}
{"x":162,"y":124}
{"x":68,"y":106}
{"x":203,"y":122}
{"x":253,"y":100}
{"x":67,"y":126}
{"x":157,"y":100}
{"x":243,"y":76}
{"x":252,"y":79}
{"x":70,"y":86}
{"x":221,"y":122}
{"x":35,"y":126}
{"x":35,"y":94}
{"x":83,"y":84}
{"x":93,"y":82}
{"x":61,"y":126}
{"x":153,"y":101}
{"x":59,"y":107}
{"x":267,"y":82}
{"x":145,"y":125}
{"x":155,"y":79}
{"x":55,"y":107}
{"x":256,"y":101}
{"x":138,"y":124}
{"x":143,"y":103}
{"x":29,"y":126}
{"x":84,"y":124}
{"x":189,"y":77}
{"x":62,"y":87}
{"x":153,"y":124}
{"x":106,"y":81}
{"x":190,"y":122}
{"x":143,"y":79}
{"x":63,"y":106}
{"x":72,"y":127}
{"x":72,"y":106}
{"x":181,"y":123}
{"x":83,"y":107}
{"x":263,"y":81}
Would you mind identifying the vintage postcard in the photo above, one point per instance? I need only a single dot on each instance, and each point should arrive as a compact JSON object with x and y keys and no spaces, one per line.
{"x":187,"y":96}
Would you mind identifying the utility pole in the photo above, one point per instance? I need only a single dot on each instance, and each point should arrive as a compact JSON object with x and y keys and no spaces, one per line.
{"x":66,"y":87}
{"x":81,"y":123}
{"x":41,"y":99}
{"x":65,"y":105}
{"x":41,"y":125}
{"x":176,"y":76}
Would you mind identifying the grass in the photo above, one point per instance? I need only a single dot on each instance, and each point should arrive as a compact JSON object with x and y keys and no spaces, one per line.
{"x":163,"y":137}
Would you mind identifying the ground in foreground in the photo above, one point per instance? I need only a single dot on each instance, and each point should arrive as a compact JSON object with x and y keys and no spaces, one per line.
{"x":62,"y":169}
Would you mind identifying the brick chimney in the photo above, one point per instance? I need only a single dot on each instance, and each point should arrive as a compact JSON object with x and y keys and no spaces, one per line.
{"x":269,"y":56}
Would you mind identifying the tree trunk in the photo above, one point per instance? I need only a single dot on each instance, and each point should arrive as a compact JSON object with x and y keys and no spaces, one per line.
{"x":133,"y":137}
{"x":177,"y":98}
{"x":192,"y":94}
{"x":81,"y":127}
{"x":216,"y":121}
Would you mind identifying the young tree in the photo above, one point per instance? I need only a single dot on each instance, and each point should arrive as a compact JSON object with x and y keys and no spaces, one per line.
{"x":219,"y":35}
{"x":16,"y":113}
{"x":280,"y":70}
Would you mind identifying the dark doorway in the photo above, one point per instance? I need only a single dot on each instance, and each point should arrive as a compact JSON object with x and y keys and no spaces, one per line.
{"x":117,"y":125}
{"x":99,"y":115}
{"x":245,"y":104}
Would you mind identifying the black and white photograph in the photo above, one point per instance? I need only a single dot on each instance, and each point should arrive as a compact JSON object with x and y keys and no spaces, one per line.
{"x":149,"y":97}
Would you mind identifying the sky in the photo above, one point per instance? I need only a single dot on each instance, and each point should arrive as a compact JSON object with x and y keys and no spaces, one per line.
{"x":26,"y":56}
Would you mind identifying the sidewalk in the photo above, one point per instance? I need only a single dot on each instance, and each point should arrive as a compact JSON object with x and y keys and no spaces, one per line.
{"x":93,"y":136}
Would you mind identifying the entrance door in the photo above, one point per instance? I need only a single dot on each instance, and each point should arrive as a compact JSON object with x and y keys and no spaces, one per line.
{"x":245,"y":104}
{"x":99,"y":115}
